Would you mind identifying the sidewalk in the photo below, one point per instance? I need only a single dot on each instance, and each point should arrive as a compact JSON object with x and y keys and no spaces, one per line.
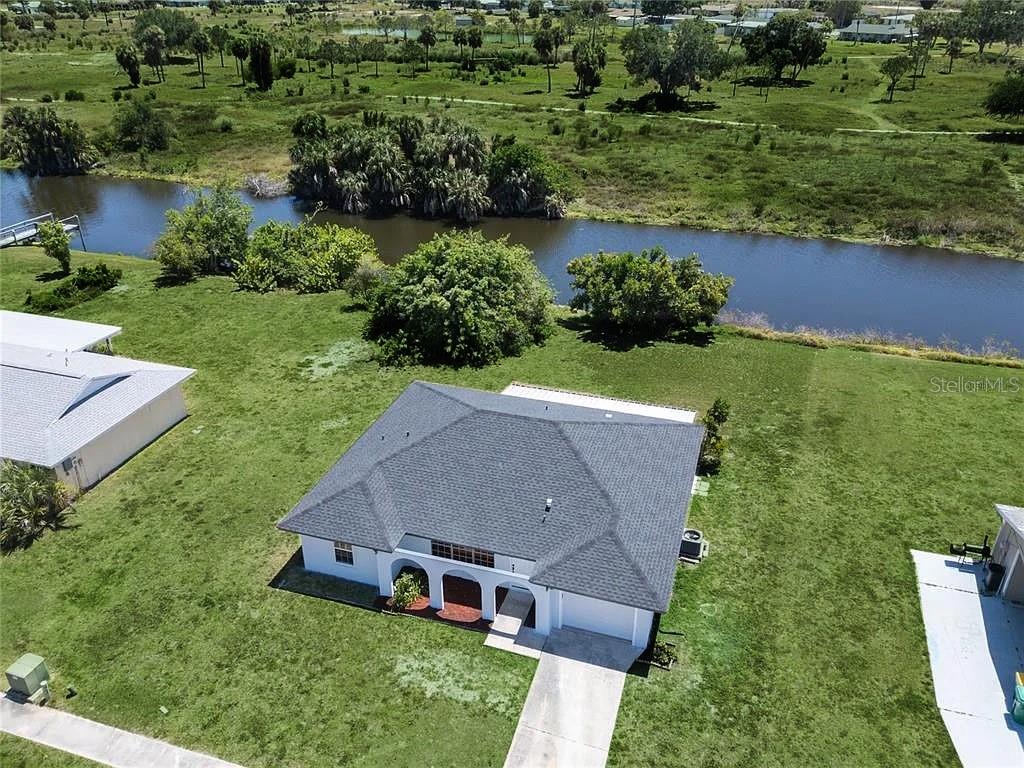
{"x":95,"y":741}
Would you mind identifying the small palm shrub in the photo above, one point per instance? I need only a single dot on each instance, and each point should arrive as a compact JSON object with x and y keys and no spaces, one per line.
{"x":31,"y":501}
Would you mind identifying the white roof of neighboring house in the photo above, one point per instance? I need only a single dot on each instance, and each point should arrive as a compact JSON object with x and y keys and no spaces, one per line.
{"x":55,"y":333}
{"x":53,"y":403}
{"x":602,"y":403}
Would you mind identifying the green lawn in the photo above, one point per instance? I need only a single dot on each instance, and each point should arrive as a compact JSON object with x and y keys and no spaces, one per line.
{"x":18,"y":753}
{"x":793,"y":175}
{"x":800,"y":638}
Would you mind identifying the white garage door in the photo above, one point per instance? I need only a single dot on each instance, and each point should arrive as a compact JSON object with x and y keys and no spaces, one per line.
{"x":597,"y":616}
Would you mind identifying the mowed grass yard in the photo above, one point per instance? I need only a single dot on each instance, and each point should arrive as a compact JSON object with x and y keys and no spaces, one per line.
{"x":787,"y":170}
{"x":800,"y":638}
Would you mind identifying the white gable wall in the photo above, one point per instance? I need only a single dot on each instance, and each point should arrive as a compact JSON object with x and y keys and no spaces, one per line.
{"x":97,"y":459}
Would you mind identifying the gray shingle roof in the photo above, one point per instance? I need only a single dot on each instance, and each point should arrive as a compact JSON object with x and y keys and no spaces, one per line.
{"x":476,"y":468}
{"x":52,"y":403}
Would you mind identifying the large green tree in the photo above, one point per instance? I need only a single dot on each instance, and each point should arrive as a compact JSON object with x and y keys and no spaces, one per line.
{"x":177,"y":26}
{"x":788,"y":40}
{"x":686,"y":55}
{"x":895,"y":68}
{"x":647,"y":294}
{"x":461,"y":299}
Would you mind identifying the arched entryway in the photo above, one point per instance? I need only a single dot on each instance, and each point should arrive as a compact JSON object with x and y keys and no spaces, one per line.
{"x":462,"y":597}
{"x":404,"y":566}
{"x":517,"y":602}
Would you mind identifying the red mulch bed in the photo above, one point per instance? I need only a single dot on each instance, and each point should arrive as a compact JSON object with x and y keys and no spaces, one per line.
{"x":461,"y":608}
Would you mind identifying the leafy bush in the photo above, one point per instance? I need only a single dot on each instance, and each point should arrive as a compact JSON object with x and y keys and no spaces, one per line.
{"x":136,"y":125}
{"x":31,"y":501}
{"x":87,"y":283}
{"x":365,"y":281}
{"x":332,"y":255}
{"x":307,"y":257}
{"x":408,"y":589}
{"x":209,"y":236}
{"x":73,"y":95}
{"x":56,"y":243}
{"x":647,"y":294}
{"x":712,"y":447}
{"x":461,"y":299}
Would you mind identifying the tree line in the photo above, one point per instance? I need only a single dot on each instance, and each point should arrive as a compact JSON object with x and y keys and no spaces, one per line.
{"x":438,"y":168}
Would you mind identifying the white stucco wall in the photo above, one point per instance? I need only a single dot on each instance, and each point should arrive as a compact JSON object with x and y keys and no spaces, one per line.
{"x":318,"y":555}
{"x":606,"y":618}
{"x":97,"y":459}
{"x":554,"y":608}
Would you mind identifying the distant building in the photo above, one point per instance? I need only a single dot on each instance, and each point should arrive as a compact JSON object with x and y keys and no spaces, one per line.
{"x":862,"y":32}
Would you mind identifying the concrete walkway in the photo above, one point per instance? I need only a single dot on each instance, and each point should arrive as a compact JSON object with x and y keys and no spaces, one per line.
{"x":570,"y":711}
{"x":976,"y":645}
{"x":507,"y":630}
{"x":95,"y":741}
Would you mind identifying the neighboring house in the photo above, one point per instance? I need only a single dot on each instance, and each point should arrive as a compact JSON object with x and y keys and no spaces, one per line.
{"x":79,"y":413}
{"x":862,"y":32}
{"x":1008,"y":551}
{"x":579,"y":500}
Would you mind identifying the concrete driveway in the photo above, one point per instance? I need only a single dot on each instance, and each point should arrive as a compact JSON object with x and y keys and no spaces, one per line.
{"x":570,"y":711}
{"x":976,"y":645}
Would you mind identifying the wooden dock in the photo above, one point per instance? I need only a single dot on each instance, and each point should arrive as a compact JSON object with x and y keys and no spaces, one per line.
{"x":27,"y":231}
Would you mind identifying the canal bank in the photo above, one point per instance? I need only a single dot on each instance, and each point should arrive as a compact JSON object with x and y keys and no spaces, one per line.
{"x":931,"y":294}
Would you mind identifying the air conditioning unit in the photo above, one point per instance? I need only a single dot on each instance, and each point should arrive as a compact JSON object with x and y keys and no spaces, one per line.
{"x":693,"y":548}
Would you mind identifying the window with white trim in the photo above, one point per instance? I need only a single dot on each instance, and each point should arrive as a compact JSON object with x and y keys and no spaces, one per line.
{"x":462,"y":553}
{"x":343,"y":552}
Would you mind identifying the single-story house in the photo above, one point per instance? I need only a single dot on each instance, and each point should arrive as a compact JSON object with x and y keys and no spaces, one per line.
{"x":578,"y":501}
{"x":1008,"y":551}
{"x":863,"y":32}
{"x":83,"y":414}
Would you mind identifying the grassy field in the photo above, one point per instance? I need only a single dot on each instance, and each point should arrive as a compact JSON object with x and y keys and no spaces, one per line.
{"x":800,"y":638}
{"x":788,"y":169}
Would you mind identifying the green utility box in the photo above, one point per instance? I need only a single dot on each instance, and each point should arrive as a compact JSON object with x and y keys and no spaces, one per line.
{"x":1018,"y":704}
{"x":27,"y":675}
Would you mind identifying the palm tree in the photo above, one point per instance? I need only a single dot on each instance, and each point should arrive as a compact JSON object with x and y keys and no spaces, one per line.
{"x":427,"y":39}
{"x":433,"y":191}
{"x":467,"y":196}
{"x":386,"y":174}
{"x":350,"y":192}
